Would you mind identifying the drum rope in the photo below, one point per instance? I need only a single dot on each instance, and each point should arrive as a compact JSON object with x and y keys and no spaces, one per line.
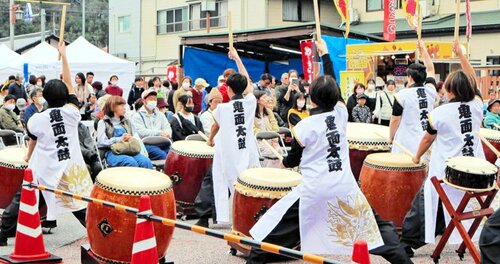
{"x":194,"y":228}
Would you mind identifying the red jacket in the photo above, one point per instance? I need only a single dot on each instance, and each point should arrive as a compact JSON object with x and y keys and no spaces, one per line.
{"x":223,"y":91}
{"x":197,"y":100}
{"x":114,"y":90}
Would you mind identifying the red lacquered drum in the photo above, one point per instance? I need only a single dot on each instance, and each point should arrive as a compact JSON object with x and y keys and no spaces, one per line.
{"x":390,"y":182}
{"x":363,"y":140}
{"x":12,"y":166}
{"x":493,"y":137}
{"x":186,"y":164}
{"x":256,"y":191}
{"x":110,"y":231}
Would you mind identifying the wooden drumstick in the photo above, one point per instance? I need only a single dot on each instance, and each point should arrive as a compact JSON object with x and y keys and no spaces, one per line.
{"x":63,"y":25}
{"x":230,"y":28}
{"x":272,"y":149}
{"x":497,"y":126}
{"x":202,"y":135}
{"x":488,"y":144}
{"x":316,"y":18}
{"x":394,"y":142}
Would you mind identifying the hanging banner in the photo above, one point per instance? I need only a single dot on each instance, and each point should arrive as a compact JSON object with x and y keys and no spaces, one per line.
{"x":343,"y":10}
{"x":468,"y":18}
{"x":172,"y":73}
{"x":306,"y":48}
{"x":390,"y":20}
{"x":410,"y":7}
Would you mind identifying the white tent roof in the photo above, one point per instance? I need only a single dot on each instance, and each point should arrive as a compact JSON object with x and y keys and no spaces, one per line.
{"x":7,"y":54}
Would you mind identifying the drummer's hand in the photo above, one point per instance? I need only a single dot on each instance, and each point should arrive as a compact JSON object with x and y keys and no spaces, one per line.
{"x":233,"y":54}
{"x":321,"y":47}
{"x":26,"y":158}
{"x":416,"y":160}
{"x":389,"y":140}
{"x":210,"y":142}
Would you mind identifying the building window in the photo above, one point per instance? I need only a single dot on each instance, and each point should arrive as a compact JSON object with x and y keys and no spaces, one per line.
{"x":198,"y":18}
{"x":378,"y":5}
{"x":172,"y":20}
{"x":124,"y":24}
{"x":298,"y":10}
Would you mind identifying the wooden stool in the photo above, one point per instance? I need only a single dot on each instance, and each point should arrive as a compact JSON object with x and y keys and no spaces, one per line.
{"x":458,"y":215}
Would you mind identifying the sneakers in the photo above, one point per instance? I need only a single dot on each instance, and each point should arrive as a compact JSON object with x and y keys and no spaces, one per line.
{"x":203,"y":221}
{"x":3,"y":239}
{"x":49,"y":224}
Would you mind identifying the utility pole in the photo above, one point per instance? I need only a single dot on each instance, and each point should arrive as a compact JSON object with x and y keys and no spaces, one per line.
{"x":11,"y":23}
{"x":83,"y":18}
{"x":42,"y":27}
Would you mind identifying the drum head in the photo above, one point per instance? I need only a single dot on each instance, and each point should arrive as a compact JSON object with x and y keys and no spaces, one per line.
{"x":392,"y":161}
{"x":267,"y":182}
{"x":367,"y":136}
{"x":472,"y":165}
{"x":13,"y":157}
{"x":490,"y":134}
{"x":192,"y":148}
{"x":133,"y":181}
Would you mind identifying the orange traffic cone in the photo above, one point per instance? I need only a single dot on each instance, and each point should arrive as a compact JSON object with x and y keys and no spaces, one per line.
{"x":29,"y":246}
{"x":144,"y":248}
{"x":360,"y":252}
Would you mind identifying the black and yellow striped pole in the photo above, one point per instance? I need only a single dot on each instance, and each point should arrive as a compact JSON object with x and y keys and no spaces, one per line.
{"x":194,"y":228}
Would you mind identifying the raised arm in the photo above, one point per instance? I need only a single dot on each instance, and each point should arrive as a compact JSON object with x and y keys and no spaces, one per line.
{"x":427,"y":58}
{"x":464,"y":62}
{"x":65,"y":68}
{"x":327,"y":62}
{"x":233,"y":54}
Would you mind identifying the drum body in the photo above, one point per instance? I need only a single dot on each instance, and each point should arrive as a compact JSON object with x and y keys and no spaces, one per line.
{"x":111,"y":231}
{"x":470,"y":174}
{"x":390,"y":182}
{"x":12,"y":166}
{"x":365,"y":139}
{"x":256,"y":191}
{"x":493,"y":137}
{"x":187,"y":163}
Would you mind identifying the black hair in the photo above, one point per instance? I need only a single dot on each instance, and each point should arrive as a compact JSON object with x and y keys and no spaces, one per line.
{"x":459,"y":83}
{"x":391,"y":82}
{"x":138,"y":104}
{"x":32,"y":79}
{"x":166,"y":83}
{"x":150,"y":83}
{"x":81,"y":77}
{"x":175,"y":85}
{"x":35,"y":91}
{"x":370,"y":81}
{"x":89,"y":73}
{"x":9,"y":97}
{"x":325,"y":93}
{"x":12,"y":77}
{"x":258,"y":94}
{"x":156,"y":78}
{"x":56,"y":93}
{"x":296,"y":98}
{"x":184,"y":99}
{"x":137,"y":79}
{"x":237,"y":82}
{"x":356,"y":86}
{"x":417,"y":73}
{"x":431,"y":81}
{"x":266,"y":77}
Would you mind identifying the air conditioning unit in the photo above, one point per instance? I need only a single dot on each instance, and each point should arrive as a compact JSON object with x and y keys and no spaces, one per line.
{"x":426,"y":8}
{"x":354,"y":15}
{"x":121,"y":55}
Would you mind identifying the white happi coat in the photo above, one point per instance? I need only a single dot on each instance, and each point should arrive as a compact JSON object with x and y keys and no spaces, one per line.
{"x":414,"y":118}
{"x":230,"y":159}
{"x":450,"y":142}
{"x":333,"y":212}
{"x":57,"y":160}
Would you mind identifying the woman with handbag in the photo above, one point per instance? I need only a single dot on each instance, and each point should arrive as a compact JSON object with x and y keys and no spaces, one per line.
{"x":383,"y":106}
{"x":115,"y":136}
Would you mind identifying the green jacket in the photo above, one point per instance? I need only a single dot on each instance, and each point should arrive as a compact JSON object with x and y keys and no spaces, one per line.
{"x":9,"y":120}
{"x":490,"y":119}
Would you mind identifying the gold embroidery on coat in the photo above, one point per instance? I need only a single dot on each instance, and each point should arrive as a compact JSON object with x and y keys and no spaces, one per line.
{"x":76,"y":181}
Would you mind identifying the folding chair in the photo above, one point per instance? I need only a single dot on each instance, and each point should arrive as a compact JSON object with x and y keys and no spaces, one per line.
{"x":100,"y":152}
{"x":287,"y":134}
{"x":267,"y":135}
{"x":11,"y":133}
{"x":157,"y":141}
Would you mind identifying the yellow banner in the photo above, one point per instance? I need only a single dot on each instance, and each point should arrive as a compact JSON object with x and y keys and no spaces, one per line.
{"x":347,"y":81}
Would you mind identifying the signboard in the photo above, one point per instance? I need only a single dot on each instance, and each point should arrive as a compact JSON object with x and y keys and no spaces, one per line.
{"x":347,"y":81}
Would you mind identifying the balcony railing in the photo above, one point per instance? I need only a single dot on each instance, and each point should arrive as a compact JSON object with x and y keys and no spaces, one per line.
{"x":191,"y":25}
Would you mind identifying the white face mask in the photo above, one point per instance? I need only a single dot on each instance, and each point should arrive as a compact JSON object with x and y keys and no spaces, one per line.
{"x":39,"y":84}
{"x":114,"y":83}
{"x":185,"y":85}
{"x":301,"y":104}
{"x":41,"y":101}
{"x":9,"y":107}
{"x":371,"y":86}
{"x":151,"y":105}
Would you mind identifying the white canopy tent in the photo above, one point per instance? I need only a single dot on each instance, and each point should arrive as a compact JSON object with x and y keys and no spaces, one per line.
{"x":84,"y":57}
{"x":7,"y":56}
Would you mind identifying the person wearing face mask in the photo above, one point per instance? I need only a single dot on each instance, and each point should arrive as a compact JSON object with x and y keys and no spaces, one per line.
{"x":113,"y":88}
{"x":285,"y":99}
{"x":185,"y":123}
{"x":298,"y":111}
{"x":207,"y":117}
{"x":265,"y":122}
{"x":183,"y":90}
{"x":359,"y":89}
{"x":9,"y":120}
{"x":371,"y":93}
{"x":197,"y":92}
{"x":383,"y":105}
{"x":135,"y":92}
{"x":149,"y":122}
{"x":37,"y":106}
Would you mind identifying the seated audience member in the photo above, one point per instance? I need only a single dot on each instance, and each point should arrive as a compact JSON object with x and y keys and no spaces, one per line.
{"x":135,"y":91}
{"x":207,"y":117}
{"x":265,"y":122}
{"x":298,"y":111}
{"x":99,"y":92}
{"x":89,"y":151}
{"x":183,"y":90}
{"x":114,"y":133}
{"x":149,"y":121}
{"x":113,"y":88}
{"x":163,"y":107}
{"x":37,"y":106}
{"x":21,"y":106}
{"x":361,"y":112}
{"x":197,"y":92}
{"x":492,"y":117}
{"x":90,"y":108}
{"x":185,"y":123}
{"x":9,"y":120}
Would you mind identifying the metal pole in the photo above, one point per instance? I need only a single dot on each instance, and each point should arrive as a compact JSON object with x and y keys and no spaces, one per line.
{"x":11,"y":23}
{"x":83,"y":18}
{"x":42,"y":27}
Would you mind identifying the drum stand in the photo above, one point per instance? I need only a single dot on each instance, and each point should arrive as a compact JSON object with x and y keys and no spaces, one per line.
{"x":88,"y":257}
{"x":458,"y":215}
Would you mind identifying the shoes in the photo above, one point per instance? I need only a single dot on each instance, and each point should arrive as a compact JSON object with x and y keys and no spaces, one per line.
{"x":3,"y":239}
{"x":203,"y":221}
{"x":409,"y":251}
{"x":49,"y":223}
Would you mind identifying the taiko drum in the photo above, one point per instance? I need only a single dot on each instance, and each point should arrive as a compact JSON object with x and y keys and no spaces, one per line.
{"x":12,"y":167}
{"x":493,"y":137}
{"x":111,"y":231}
{"x":390,"y":182}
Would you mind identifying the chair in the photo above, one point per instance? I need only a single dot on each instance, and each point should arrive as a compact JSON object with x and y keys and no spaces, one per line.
{"x":194,"y":137}
{"x":267,"y":135}
{"x":157,"y":141}
{"x":100,"y":153}
{"x":12,"y":133}
{"x":288,"y":135}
